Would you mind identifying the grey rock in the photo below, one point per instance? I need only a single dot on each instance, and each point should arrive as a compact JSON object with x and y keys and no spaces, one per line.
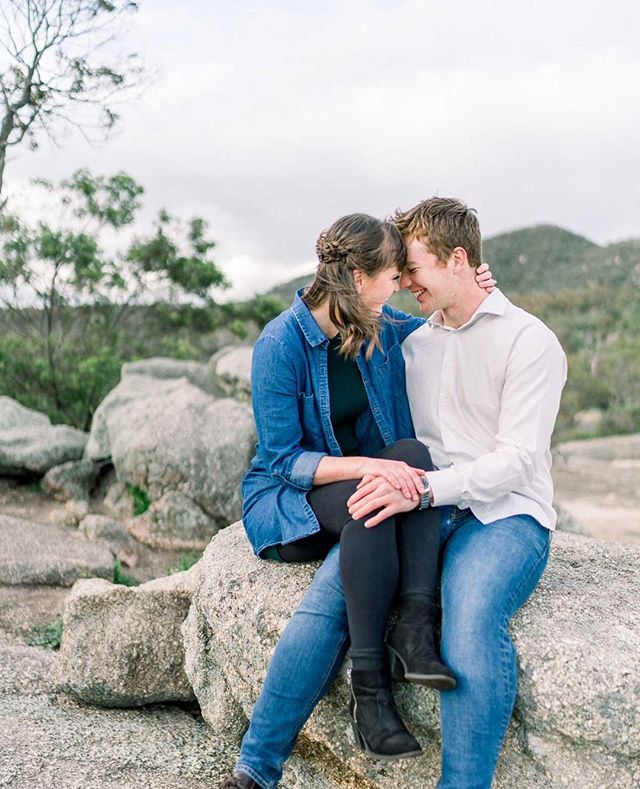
{"x":596,"y":485}
{"x":164,"y":368}
{"x":22,"y":608}
{"x":187,"y":450}
{"x":577,"y":721}
{"x":47,"y":739}
{"x":30,"y":444}
{"x":37,"y":553}
{"x":114,"y":534}
{"x":223,"y":337}
{"x":590,"y":420}
{"x":121,"y":646}
{"x":72,"y":480}
{"x":14,"y":414}
{"x":174,"y":521}
{"x":231,"y":368}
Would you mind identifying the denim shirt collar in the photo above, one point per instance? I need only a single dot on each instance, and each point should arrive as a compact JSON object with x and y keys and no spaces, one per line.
{"x":312,"y":332}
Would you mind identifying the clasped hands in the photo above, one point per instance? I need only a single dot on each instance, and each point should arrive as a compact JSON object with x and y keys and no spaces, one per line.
{"x":387,"y":487}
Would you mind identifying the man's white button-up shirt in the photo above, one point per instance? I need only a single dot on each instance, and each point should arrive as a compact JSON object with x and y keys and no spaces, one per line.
{"x":484,"y":398}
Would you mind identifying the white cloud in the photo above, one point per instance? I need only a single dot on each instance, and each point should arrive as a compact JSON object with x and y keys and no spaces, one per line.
{"x":272,"y":119}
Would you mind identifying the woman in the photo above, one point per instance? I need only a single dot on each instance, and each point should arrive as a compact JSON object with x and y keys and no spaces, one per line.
{"x":330,"y":406}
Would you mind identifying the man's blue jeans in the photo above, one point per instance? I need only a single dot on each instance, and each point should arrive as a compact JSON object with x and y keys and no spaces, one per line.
{"x":488,"y":572}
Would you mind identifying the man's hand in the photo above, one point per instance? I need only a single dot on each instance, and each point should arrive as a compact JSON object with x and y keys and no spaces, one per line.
{"x":398,"y":474}
{"x":378,"y":494}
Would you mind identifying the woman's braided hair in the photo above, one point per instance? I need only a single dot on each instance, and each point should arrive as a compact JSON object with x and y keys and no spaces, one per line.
{"x":354,"y":242}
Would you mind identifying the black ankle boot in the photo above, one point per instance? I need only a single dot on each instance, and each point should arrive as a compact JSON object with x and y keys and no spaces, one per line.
{"x":412,"y":650}
{"x":377,"y":727}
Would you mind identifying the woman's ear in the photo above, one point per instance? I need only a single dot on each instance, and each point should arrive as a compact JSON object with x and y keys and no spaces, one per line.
{"x":358,"y":279}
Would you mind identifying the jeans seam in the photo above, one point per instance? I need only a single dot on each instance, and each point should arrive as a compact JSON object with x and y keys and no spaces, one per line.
{"x":541,"y":558}
{"x":318,"y":695}
{"x":506,"y":638}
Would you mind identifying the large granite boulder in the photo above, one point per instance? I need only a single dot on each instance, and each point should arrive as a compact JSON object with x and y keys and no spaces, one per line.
{"x":164,"y":368}
{"x":37,"y":553}
{"x":186,"y":449}
{"x":30,"y":444}
{"x":48,"y":739}
{"x":231,"y":369}
{"x":577,"y":719}
{"x":71,"y":481}
{"x":122,"y":646}
{"x":596,"y":485}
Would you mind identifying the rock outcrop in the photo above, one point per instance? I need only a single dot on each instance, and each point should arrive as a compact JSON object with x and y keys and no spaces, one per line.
{"x":577,"y":721}
{"x":48,"y":739}
{"x":164,"y":368}
{"x":113,"y":534}
{"x":186,"y":449}
{"x":596,"y":484}
{"x":30,"y":444}
{"x":122,"y":646}
{"x":231,"y":369}
{"x":35,"y":553}
{"x":70,"y":481}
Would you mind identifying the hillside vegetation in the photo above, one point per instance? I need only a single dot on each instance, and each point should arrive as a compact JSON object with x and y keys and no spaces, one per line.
{"x":588,"y":294}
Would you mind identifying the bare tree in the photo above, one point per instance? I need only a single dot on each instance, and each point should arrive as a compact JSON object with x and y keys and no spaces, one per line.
{"x":60,"y":67}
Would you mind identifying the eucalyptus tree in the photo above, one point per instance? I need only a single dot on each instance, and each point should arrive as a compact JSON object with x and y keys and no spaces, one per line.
{"x":68,"y":279}
{"x":61,"y":66}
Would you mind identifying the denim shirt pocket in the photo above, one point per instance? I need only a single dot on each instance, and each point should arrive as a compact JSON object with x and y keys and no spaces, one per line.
{"x":311,"y":422}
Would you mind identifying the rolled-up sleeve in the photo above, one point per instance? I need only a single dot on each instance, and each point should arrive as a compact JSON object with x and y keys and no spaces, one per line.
{"x":275,"y":397}
{"x":535,"y":375}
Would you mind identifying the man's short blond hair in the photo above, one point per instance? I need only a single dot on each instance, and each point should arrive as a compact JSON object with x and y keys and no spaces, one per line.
{"x":442,"y":224}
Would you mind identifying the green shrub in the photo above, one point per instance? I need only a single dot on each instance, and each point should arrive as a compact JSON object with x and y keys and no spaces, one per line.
{"x":239,"y":328}
{"x":141,"y":500}
{"x":120,"y":578}
{"x":184,"y":562}
{"x":48,"y":635}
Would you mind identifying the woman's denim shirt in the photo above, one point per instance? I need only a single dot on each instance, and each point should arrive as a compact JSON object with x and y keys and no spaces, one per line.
{"x":290,"y":395}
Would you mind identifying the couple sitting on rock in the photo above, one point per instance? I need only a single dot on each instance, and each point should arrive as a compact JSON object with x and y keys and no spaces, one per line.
{"x":342,"y":384}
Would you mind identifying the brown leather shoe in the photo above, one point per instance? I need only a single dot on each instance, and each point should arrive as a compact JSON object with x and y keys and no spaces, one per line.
{"x":239,"y":781}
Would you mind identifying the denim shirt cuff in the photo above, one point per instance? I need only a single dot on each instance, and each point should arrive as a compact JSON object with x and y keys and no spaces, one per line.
{"x":304,"y":468}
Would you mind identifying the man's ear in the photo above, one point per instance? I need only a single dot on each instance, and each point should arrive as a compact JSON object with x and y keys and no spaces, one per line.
{"x":460,"y":259}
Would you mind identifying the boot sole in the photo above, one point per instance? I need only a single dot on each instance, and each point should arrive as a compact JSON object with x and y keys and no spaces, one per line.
{"x":362,"y":744}
{"x":399,"y":672}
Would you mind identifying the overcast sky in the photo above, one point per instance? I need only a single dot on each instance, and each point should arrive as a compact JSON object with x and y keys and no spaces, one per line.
{"x":272,"y":119}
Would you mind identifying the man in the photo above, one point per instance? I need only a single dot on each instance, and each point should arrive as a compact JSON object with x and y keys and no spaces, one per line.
{"x":484,"y":380}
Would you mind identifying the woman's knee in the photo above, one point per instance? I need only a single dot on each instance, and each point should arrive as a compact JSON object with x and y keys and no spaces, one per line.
{"x":411,"y":451}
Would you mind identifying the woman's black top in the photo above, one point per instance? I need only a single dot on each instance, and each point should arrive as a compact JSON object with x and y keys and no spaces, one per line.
{"x":347,"y":397}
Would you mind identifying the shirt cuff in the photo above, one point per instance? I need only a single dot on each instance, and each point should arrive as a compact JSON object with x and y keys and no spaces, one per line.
{"x":446,"y":486}
{"x":304,"y":468}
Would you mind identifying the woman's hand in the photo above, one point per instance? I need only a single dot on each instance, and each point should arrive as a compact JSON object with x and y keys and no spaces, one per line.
{"x":484,"y":278}
{"x":399,"y":474}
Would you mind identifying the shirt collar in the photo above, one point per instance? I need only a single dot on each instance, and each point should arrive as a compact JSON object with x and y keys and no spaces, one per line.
{"x":312,"y":332}
{"x":495,"y":304}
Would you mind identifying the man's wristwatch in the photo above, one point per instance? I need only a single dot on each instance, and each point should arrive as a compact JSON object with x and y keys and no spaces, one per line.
{"x":425,"y":498}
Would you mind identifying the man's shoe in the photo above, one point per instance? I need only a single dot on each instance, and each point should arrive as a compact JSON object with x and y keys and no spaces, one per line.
{"x":412,"y":649}
{"x":377,"y":727}
{"x":239,"y":781}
